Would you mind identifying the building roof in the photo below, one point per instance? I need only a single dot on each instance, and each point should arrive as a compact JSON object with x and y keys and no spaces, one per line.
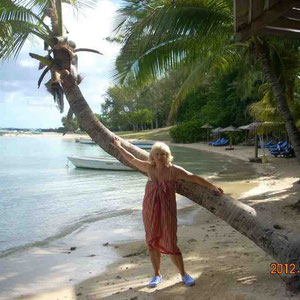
{"x":267,"y":17}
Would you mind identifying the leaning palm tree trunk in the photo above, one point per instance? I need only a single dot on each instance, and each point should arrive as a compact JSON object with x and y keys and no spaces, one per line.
{"x":241,"y":217}
{"x":293,"y":132}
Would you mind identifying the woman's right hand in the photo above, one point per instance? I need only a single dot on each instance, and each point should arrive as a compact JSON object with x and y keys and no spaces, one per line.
{"x":116,"y":142}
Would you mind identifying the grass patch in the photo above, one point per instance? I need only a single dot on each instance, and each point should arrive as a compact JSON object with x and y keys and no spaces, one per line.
{"x":160,"y":134}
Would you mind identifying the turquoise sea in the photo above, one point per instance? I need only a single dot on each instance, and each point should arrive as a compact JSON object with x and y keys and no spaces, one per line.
{"x":47,"y":206}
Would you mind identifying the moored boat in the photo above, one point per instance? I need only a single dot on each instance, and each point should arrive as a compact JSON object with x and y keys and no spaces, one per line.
{"x":85,"y":141}
{"x":143,"y":145}
{"x":100,"y":163}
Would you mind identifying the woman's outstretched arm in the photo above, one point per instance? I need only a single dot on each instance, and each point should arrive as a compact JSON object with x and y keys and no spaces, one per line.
{"x":140,"y":164}
{"x":181,"y":173}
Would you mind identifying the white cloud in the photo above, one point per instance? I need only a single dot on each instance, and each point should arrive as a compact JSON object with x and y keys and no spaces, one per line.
{"x":28,"y":63}
{"x":93,"y":92}
{"x":9,"y":84}
{"x":23,"y":105}
{"x":46,"y":101}
{"x":29,"y":116}
{"x":10,"y":98}
{"x":89,"y":29}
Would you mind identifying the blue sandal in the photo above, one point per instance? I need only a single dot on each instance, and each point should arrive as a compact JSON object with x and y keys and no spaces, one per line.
{"x":155,"y":281}
{"x":188,"y":280}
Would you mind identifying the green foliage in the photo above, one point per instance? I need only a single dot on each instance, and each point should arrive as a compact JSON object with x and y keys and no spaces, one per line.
{"x":187,"y":132}
{"x":191,"y":107}
{"x":140,"y":117}
{"x":197,"y":36}
{"x":218,"y":103}
{"x":224,"y":106}
{"x":122,"y":103}
{"x":161,"y":35}
{"x":72,"y":125}
{"x":286,"y":62}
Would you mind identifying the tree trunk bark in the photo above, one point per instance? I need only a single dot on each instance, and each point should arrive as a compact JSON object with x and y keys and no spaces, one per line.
{"x":293,"y":132}
{"x":240,"y":216}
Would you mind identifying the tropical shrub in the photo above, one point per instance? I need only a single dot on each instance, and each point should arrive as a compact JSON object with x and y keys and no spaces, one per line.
{"x":188,"y":132}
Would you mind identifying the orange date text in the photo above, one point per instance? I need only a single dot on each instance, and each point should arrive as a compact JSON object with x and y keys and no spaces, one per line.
{"x":284,"y":268}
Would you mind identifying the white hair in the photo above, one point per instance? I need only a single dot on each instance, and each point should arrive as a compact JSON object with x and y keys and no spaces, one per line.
{"x":160,"y":147}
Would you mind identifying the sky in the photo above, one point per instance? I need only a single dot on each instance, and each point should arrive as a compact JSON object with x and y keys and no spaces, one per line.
{"x":23,"y":105}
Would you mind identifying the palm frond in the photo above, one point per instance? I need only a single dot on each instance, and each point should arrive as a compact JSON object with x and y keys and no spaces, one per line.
{"x":10,"y":48}
{"x":266,"y":109}
{"x":13,"y":11}
{"x":153,"y":63}
{"x":270,"y":126}
{"x":189,"y":22}
{"x":42,"y":76}
{"x":81,"y":4}
{"x":45,"y":60}
{"x":19,"y":23}
{"x":87,"y":50}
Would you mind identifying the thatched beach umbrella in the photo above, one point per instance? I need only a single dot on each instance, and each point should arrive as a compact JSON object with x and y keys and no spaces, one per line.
{"x":261,"y":128}
{"x":208,"y":127}
{"x":217,"y":131}
{"x":230,"y":129}
{"x":253,"y":127}
{"x":249,"y":127}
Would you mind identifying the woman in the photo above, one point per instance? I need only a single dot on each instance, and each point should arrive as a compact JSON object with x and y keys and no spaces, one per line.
{"x":159,"y":205}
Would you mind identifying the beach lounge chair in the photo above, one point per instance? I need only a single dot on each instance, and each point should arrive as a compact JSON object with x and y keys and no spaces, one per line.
{"x":217,"y":141}
{"x":223,"y":142}
{"x":288,"y":152}
{"x":267,"y":145}
{"x":282,"y":149}
{"x":276,"y":146}
{"x":275,"y":149}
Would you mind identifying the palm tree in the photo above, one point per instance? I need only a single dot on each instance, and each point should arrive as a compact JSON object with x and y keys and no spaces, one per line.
{"x":279,"y":94}
{"x":286,"y":62}
{"x":240,"y":216}
{"x":196,"y":35}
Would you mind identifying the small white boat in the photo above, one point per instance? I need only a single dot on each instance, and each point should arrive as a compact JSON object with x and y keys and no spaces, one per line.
{"x":101,"y":163}
{"x":143,"y":145}
{"x":84,"y":141}
{"x":138,"y":144}
{"x":36,"y":131}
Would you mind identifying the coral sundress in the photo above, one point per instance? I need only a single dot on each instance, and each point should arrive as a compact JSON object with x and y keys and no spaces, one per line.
{"x":160,"y":215}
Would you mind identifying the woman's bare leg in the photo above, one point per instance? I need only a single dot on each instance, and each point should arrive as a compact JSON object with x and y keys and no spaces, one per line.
{"x":155,"y":259}
{"x":178,"y":262}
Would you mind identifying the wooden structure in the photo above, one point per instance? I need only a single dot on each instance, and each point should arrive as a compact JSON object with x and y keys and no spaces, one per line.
{"x":267,"y":17}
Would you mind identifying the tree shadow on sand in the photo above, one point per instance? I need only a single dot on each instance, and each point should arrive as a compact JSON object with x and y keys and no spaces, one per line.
{"x":224,"y":263}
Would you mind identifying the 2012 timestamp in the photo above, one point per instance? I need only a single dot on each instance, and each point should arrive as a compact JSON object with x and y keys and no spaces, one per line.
{"x":284,"y":268}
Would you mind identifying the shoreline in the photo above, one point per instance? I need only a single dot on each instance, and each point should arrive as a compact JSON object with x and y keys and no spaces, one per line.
{"x":225,"y":264}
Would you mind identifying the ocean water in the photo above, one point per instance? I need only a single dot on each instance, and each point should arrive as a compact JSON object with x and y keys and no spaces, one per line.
{"x":41,"y":199}
{"x":47,"y":207}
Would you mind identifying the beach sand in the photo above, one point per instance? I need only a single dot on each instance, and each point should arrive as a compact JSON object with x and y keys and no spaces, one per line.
{"x":224,"y":263}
